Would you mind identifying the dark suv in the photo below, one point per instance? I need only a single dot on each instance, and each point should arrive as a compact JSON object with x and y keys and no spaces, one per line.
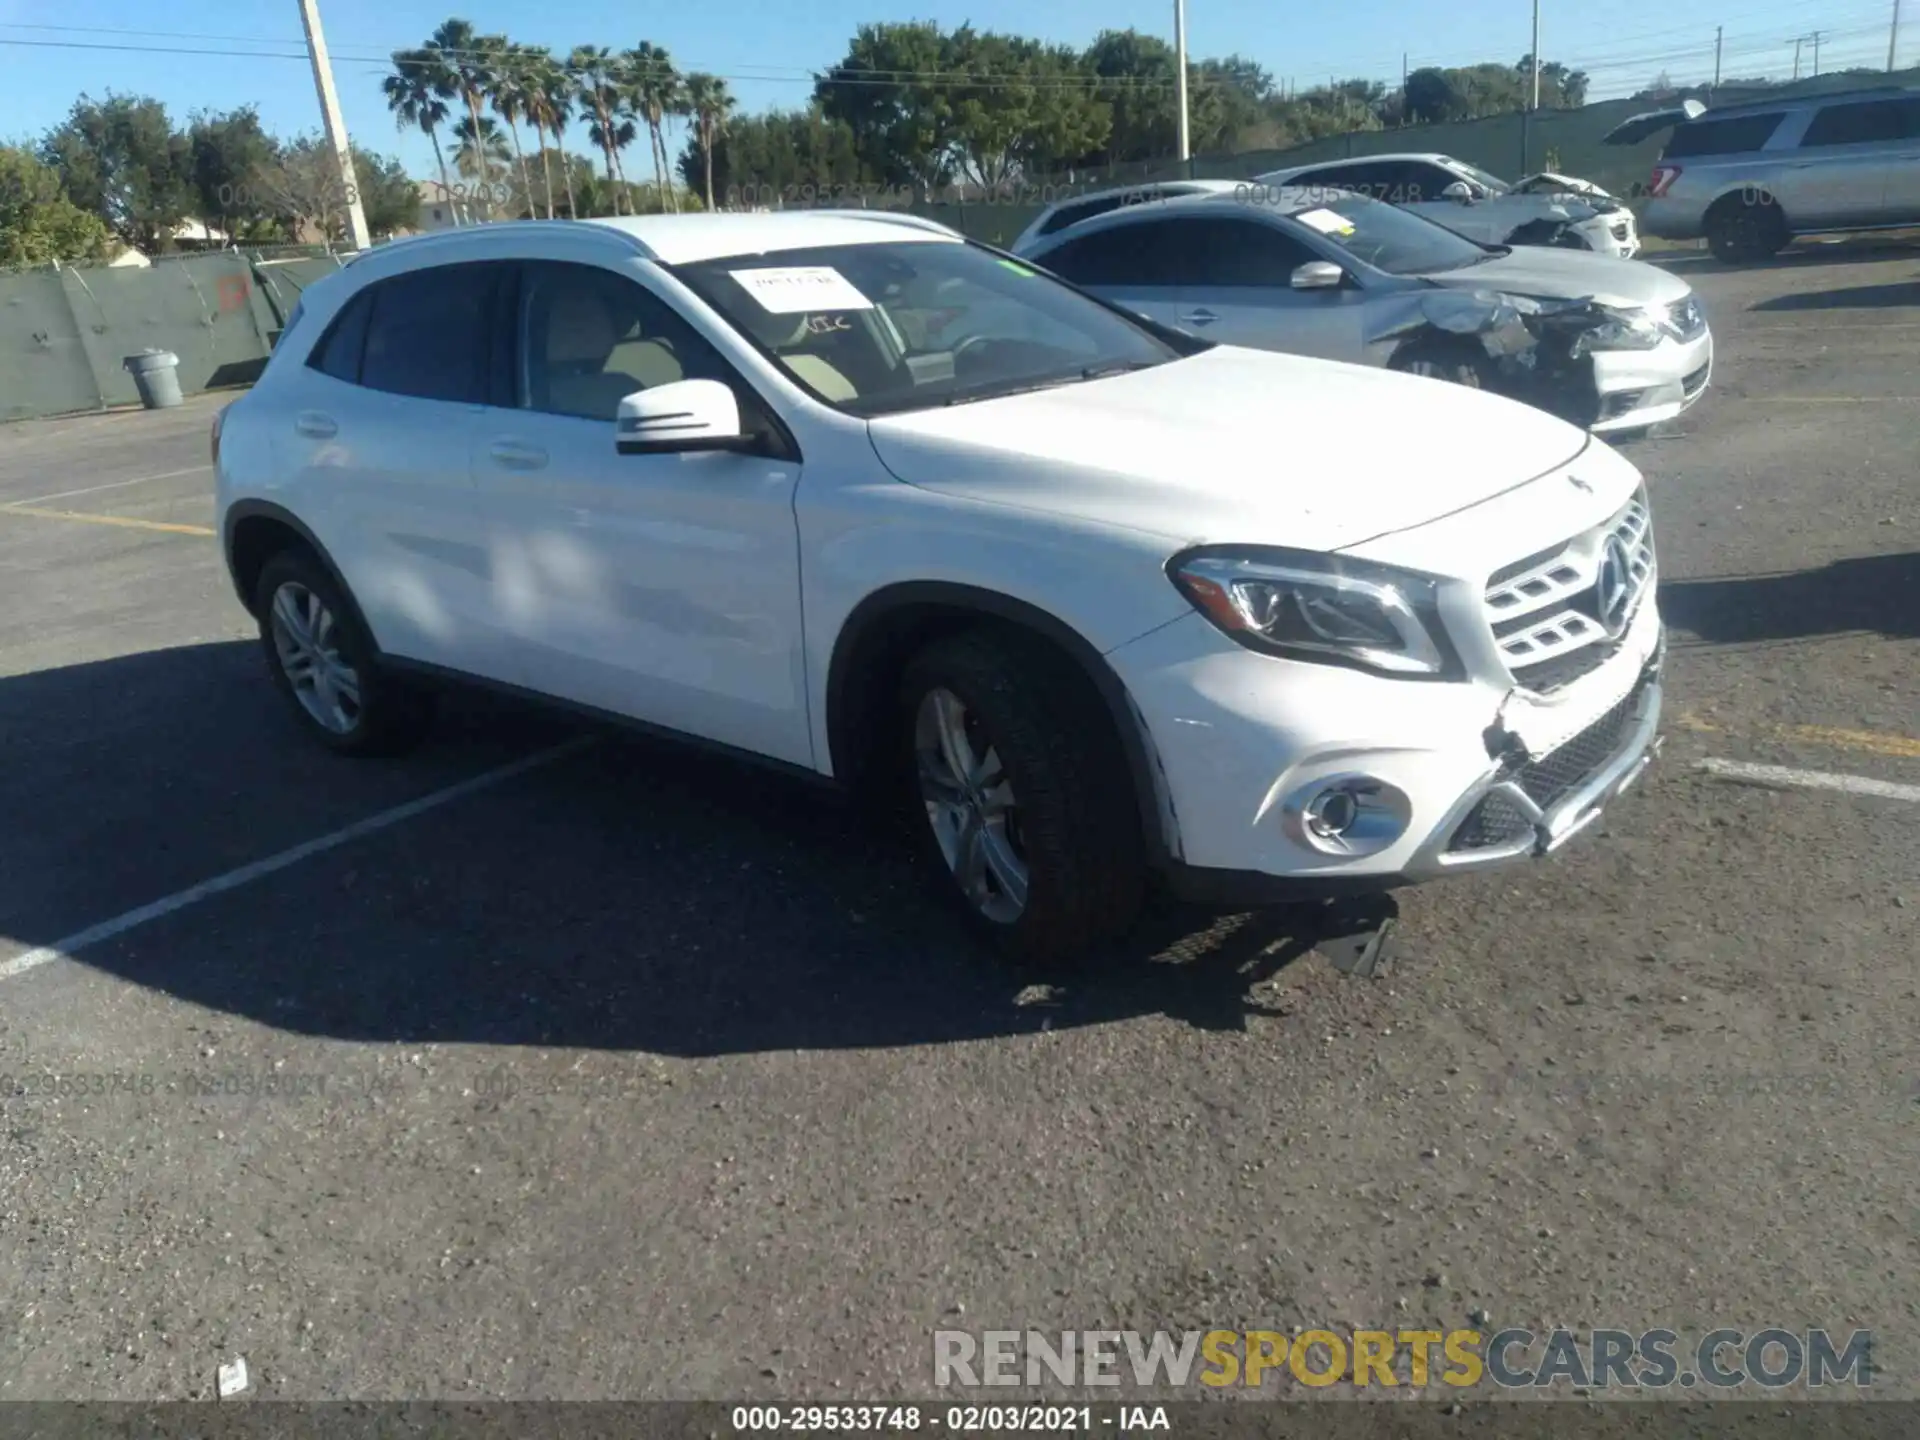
{"x":1751,"y":177}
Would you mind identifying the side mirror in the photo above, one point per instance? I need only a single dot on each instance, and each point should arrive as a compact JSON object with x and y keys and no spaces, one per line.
{"x":1461,"y":191}
{"x":686,"y":415}
{"x":1319,"y":275}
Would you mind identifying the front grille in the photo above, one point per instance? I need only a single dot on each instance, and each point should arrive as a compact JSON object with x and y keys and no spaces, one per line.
{"x":1687,"y":318}
{"x":1546,"y":611}
{"x":1550,"y":779}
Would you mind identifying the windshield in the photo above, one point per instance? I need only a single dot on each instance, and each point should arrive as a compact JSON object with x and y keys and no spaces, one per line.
{"x":1391,"y":239}
{"x":878,"y":329}
{"x":1492,"y":184}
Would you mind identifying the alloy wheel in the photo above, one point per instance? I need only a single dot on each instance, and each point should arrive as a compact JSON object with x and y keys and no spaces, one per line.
{"x":306,"y":640}
{"x":971,"y":806}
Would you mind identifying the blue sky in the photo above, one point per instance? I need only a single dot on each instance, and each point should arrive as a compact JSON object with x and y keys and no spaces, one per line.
{"x":767,"y":50}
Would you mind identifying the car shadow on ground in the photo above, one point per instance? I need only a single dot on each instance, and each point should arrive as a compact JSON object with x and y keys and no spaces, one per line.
{"x":1849,"y":297}
{"x":1877,"y":594}
{"x":638,"y":896}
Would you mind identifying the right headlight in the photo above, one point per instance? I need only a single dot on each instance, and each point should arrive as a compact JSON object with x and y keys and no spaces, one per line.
{"x":1319,"y":607}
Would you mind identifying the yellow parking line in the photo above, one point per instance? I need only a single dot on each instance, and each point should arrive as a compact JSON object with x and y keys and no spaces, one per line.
{"x":1867,"y":742}
{"x":121,"y":520}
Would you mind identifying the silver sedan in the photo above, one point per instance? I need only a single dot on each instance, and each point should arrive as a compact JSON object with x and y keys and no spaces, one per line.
{"x":1615,"y":345}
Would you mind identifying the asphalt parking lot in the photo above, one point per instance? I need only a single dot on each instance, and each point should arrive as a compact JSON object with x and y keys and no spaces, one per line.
{"x":628,"y":1074}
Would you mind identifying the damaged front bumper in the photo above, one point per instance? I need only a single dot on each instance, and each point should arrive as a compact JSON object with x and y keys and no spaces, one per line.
{"x":1549,"y":354}
{"x":1528,"y":807}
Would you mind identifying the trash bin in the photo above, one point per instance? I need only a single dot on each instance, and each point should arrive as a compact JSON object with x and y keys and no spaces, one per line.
{"x":156,"y":376}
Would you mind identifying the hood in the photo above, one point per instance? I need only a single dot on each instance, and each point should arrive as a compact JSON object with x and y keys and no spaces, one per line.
{"x":1235,"y":445}
{"x":1548,"y":273}
{"x":1547,"y":182}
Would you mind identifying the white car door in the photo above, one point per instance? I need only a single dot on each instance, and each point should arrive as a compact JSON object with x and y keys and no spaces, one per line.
{"x":665,"y":588}
{"x":376,"y":436}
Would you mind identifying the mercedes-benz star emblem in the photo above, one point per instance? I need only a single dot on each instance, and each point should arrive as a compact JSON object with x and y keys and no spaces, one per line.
{"x":1615,"y":586}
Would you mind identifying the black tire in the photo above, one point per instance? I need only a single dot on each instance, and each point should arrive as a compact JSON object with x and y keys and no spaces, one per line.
{"x":1744,"y":228}
{"x":1074,"y":824}
{"x":1451,"y":360}
{"x":390,"y":715}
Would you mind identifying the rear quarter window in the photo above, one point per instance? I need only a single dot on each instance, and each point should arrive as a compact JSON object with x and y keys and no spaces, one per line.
{"x":1733,"y":135}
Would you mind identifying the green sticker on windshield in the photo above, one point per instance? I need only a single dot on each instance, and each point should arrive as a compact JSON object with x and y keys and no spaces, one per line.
{"x":1016,"y":267}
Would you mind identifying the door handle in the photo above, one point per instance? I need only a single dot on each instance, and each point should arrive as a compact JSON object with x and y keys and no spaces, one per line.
{"x":315,"y":426}
{"x":511,"y":455}
{"x":1198,"y":317}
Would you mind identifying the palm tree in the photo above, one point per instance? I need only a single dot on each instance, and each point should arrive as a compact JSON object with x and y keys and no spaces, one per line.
{"x":483,"y":159}
{"x":416,"y":96}
{"x":512,"y":97}
{"x":596,"y":79}
{"x":549,"y":107}
{"x":466,"y":59}
{"x":653,"y":92}
{"x":708,"y":103}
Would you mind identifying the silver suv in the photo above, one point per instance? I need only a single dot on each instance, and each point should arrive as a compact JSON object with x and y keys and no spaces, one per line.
{"x":1752,"y":177}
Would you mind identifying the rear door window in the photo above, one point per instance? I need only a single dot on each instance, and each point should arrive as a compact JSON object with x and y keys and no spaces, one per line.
{"x":1858,"y":124}
{"x":1130,"y":255}
{"x":338,"y":353}
{"x":1733,"y":135}
{"x":430,"y":333}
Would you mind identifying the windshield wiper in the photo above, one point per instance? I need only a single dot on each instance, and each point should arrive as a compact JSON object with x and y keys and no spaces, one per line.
{"x":1102,"y":371}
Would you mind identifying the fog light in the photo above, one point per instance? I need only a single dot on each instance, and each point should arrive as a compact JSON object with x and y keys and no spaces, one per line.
{"x":1348,"y":815}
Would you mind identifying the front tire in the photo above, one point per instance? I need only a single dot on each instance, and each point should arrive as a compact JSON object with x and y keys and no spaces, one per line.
{"x":1744,"y":228}
{"x":1018,"y":790}
{"x":324,"y":663}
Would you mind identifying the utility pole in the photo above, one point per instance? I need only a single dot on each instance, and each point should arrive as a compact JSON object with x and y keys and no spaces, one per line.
{"x":1180,"y":76}
{"x":1536,"y":55}
{"x":1796,"y":57}
{"x":1893,"y":34}
{"x":1816,"y":52}
{"x":336,"y":127}
{"x":1403,"y":83}
{"x":1716,"y":53}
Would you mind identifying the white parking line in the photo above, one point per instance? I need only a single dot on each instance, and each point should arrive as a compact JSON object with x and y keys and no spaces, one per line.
{"x":1776,"y":776}
{"x":116,"y":485}
{"x":66,"y":949}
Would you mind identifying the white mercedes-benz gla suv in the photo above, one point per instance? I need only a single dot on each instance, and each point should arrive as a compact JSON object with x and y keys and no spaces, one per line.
{"x":1089,"y":601}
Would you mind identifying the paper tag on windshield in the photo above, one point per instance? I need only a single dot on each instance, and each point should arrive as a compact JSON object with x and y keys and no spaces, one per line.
{"x":796,"y":289}
{"x":1327,"y":222}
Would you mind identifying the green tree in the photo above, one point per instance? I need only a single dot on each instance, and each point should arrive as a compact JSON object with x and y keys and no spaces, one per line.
{"x":654,"y":90}
{"x":417,"y":92}
{"x":550,"y":96}
{"x":709,"y":104}
{"x":1432,"y":96}
{"x":1138,"y":83}
{"x":463,"y":61}
{"x":121,"y":159}
{"x":888,"y":90}
{"x":483,"y":157}
{"x":511,"y":92}
{"x":39,"y":225}
{"x":596,"y":78}
{"x":388,"y":195}
{"x":223,"y":151}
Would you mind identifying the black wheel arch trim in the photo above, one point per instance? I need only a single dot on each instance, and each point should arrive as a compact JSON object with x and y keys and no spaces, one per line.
{"x":242,"y":510}
{"x":1156,"y":821}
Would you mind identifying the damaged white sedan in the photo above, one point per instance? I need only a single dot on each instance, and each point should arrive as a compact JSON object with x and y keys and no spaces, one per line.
{"x":1613,"y":345}
{"x":1545,"y":208}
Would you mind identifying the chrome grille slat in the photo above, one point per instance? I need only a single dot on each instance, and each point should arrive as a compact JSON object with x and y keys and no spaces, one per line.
{"x":1544,"y":612}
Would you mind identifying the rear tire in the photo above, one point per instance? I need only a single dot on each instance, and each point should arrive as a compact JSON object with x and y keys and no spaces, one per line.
{"x":325,"y":664}
{"x":1744,"y":228}
{"x":1018,"y":791}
